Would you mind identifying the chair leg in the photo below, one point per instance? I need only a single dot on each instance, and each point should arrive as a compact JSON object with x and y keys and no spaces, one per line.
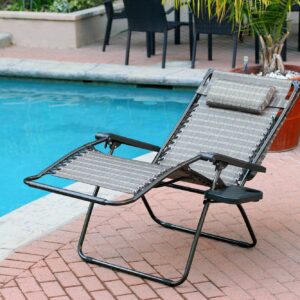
{"x":163,"y":65}
{"x":177,"y":29}
{"x":256,"y":41}
{"x":299,"y":32}
{"x":166,"y":281}
{"x":107,"y":34}
{"x":148,"y":44}
{"x":152,"y":43}
{"x":241,"y":37}
{"x":209,"y":41}
{"x":205,"y":234}
{"x":284,"y":51}
{"x":194,"y":50}
{"x":191,"y":36}
{"x":235,"y":45}
{"x":127,"y":47}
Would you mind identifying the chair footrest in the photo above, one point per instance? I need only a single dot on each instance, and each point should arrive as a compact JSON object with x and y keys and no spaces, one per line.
{"x":234,"y":195}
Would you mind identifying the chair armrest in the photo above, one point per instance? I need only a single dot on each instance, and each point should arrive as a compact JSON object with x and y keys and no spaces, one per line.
{"x":216,"y":157}
{"x":126,"y":141}
{"x":170,"y":10}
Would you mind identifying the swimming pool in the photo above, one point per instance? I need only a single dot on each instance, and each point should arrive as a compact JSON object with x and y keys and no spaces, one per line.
{"x":42,"y":120}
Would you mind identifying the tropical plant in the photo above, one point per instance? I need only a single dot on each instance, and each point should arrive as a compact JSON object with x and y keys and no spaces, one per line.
{"x":272,"y":27}
{"x":265,"y":18}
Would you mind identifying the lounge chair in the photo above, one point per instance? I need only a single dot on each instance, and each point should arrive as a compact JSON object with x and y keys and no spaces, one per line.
{"x":219,"y":143}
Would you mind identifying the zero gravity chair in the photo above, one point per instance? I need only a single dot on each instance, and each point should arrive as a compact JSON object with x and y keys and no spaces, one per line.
{"x":218,"y":143}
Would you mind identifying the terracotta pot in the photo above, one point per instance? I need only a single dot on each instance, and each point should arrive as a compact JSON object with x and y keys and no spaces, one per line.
{"x":288,"y":136}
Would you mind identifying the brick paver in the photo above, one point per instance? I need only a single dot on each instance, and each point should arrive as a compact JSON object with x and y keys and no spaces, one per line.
{"x":50,"y":268}
{"x":269,"y":271}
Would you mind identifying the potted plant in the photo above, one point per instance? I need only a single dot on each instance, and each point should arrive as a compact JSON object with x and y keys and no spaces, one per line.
{"x":268,"y":20}
{"x":272,"y":28}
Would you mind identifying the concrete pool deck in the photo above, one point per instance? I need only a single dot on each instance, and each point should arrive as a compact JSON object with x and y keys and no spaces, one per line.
{"x":48,"y":267}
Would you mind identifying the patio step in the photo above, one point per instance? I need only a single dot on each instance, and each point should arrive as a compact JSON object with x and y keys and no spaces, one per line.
{"x":5,"y":39}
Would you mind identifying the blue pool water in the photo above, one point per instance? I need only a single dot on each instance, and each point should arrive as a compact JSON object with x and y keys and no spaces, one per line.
{"x":42,"y":120}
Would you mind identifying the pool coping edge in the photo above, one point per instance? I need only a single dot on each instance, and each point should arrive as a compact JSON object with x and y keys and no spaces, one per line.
{"x":108,"y":73}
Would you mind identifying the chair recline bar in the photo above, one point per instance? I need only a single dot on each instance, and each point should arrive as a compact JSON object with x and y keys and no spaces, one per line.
{"x":214,"y":147}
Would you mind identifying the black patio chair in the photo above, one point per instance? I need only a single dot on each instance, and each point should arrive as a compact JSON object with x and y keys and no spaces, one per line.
{"x":203,"y":24}
{"x":111,"y":15}
{"x":219,"y":143}
{"x":148,"y":16}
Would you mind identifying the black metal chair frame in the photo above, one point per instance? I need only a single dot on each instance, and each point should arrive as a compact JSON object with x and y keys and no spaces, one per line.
{"x":111,"y":15}
{"x":220,"y":162}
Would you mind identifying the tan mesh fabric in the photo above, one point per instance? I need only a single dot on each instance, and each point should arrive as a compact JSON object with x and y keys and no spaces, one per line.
{"x":282,"y":86}
{"x":203,"y":129}
{"x":223,"y":131}
{"x":229,"y":132}
{"x":111,"y":172}
{"x":239,"y":96}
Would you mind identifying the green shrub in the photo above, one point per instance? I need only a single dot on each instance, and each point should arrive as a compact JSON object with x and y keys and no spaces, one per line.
{"x":49,"y":5}
{"x":82,"y":4}
{"x":37,"y":5}
{"x":73,"y":5}
{"x":62,"y":6}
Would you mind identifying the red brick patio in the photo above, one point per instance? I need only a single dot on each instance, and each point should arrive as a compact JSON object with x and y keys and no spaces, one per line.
{"x":176,"y":54}
{"x":49,"y":268}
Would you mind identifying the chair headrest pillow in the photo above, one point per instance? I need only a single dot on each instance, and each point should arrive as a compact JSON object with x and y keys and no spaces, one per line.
{"x":239,"y":96}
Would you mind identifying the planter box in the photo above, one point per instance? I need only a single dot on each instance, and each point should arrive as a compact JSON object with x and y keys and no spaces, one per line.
{"x":58,"y":30}
{"x":288,"y":135}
